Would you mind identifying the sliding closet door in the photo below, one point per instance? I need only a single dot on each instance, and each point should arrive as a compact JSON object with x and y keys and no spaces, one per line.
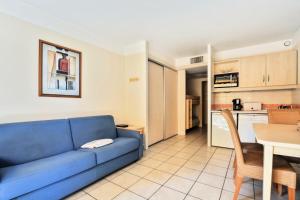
{"x":156,"y":103}
{"x":170,"y":83}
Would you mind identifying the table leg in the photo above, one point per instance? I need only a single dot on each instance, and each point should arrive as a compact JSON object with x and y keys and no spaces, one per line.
{"x":268,"y":168}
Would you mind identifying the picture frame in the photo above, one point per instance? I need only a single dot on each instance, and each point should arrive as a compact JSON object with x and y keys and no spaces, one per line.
{"x":59,"y":71}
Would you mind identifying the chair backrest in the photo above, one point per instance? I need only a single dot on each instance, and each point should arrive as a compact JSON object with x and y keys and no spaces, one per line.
{"x":288,"y":116}
{"x":234,"y":135}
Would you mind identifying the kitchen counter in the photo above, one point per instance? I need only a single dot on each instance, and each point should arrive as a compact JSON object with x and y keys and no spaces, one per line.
{"x":244,"y":111}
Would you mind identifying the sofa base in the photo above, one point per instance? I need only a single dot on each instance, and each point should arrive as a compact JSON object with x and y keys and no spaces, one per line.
{"x":72,"y":184}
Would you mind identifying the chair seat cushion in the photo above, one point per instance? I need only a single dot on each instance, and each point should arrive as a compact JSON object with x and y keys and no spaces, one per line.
{"x":256,"y":159}
{"x":252,"y":147}
{"x":120,"y":146}
{"x":292,"y":159}
{"x":283,"y":173}
{"x":20,"y":179}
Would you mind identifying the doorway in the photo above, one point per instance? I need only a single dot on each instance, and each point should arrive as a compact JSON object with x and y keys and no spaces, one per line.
{"x":196,"y":99}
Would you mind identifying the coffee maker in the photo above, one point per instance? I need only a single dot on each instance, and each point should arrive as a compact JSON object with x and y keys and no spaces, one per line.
{"x":236,"y":104}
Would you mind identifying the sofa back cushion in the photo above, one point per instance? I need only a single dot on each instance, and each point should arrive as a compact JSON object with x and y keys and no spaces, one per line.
{"x":27,"y":141}
{"x":86,"y":129}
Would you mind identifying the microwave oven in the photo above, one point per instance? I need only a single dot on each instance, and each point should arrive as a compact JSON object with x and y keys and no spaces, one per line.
{"x":226,"y":80}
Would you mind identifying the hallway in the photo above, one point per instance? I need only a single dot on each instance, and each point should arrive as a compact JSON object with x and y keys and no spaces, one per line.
{"x":182,"y":167}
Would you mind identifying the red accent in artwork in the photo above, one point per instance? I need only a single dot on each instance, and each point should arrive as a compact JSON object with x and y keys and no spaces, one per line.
{"x":64,"y":65}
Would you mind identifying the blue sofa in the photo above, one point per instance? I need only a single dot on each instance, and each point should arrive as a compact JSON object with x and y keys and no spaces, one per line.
{"x":43,"y":159}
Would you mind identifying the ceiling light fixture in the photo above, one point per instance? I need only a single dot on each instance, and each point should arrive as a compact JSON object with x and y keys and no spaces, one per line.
{"x":287,"y":43}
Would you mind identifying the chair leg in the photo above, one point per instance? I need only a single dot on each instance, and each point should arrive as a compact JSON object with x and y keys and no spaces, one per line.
{"x":238,"y":184}
{"x":292,"y":193}
{"x":279,"y":189}
{"x":234,"y":172}
{"x":234,"y":168}
{"x":234,"y":162}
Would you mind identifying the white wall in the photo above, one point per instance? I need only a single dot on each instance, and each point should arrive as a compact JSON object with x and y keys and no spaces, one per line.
{"x":136,"y":85}
{"x":181,"y":83}
{"x":254,"y":50}
{"x":210,"y":54}
{"x":102,"y":76}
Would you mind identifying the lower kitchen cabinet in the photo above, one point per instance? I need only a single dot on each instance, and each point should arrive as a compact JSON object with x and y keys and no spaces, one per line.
{"x":245,"y":125}
{"x":220,"y":132}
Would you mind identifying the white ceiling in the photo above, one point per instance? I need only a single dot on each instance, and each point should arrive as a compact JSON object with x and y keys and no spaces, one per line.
{"x":173,"y":28}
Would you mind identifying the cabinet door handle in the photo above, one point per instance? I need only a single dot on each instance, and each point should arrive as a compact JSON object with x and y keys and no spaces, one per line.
{"x":268,"y":78}
{"x":263,"y":78}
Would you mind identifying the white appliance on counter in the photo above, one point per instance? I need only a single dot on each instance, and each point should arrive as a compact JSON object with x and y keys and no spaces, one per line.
{"x":220,"y":132}
{"x":245,"y":125}
{"x":252,"y":106}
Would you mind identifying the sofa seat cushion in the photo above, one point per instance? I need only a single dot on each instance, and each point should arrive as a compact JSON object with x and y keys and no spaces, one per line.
{"x":120,"y":146}
{"x":20,"y":179}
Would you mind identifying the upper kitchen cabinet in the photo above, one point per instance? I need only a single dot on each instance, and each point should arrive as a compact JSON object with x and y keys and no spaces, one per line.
{"x":281,"y":68}
{"x":274,"y":71}
{"x":227,"y":66}
{"x":252,"y":71}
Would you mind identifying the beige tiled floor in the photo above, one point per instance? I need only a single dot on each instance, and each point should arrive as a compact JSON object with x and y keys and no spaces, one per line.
{"x":175,"y":169}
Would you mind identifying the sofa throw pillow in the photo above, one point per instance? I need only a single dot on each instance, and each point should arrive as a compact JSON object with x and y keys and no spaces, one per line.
{"x":97,"y":143}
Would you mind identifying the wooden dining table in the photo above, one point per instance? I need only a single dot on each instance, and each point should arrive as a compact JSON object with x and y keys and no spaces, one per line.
{"x":279,"y":139}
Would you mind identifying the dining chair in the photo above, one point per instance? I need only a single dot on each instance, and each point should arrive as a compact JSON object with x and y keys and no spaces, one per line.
{"x":250,"y":164}
{"x":287,"y":116}
{"x":284,"y":116}
{"x":249,"y":147}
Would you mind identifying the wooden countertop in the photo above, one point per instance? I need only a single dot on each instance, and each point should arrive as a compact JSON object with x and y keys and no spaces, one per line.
{"x":244,"y":111}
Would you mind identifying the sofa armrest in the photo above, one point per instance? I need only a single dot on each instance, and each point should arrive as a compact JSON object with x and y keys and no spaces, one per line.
{"x":133,"y":134}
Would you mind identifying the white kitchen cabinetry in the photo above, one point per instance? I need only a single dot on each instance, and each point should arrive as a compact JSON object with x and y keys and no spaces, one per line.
{"x":245,"y":125}
{"x":220,"y":132}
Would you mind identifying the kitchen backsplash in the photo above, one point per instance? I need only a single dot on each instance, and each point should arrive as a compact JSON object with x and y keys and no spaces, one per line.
{"x":265,"y":97}
{"x":269,"y":99}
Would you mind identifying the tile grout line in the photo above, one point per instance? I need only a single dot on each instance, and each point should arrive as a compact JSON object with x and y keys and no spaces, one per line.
{"x":252,"y":182}
{"x":226,"y":175}
{"x":162,"y":162}
{"x":143,"y":177}
{"x":174,"y":172}
{"x":91,"y":196}
{"x":192,"y":144}
{"x":200,"y":175}
{"x":127,"y":189}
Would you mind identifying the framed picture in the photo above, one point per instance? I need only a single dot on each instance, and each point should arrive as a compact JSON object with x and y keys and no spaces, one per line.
{"x":59,"y":71}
